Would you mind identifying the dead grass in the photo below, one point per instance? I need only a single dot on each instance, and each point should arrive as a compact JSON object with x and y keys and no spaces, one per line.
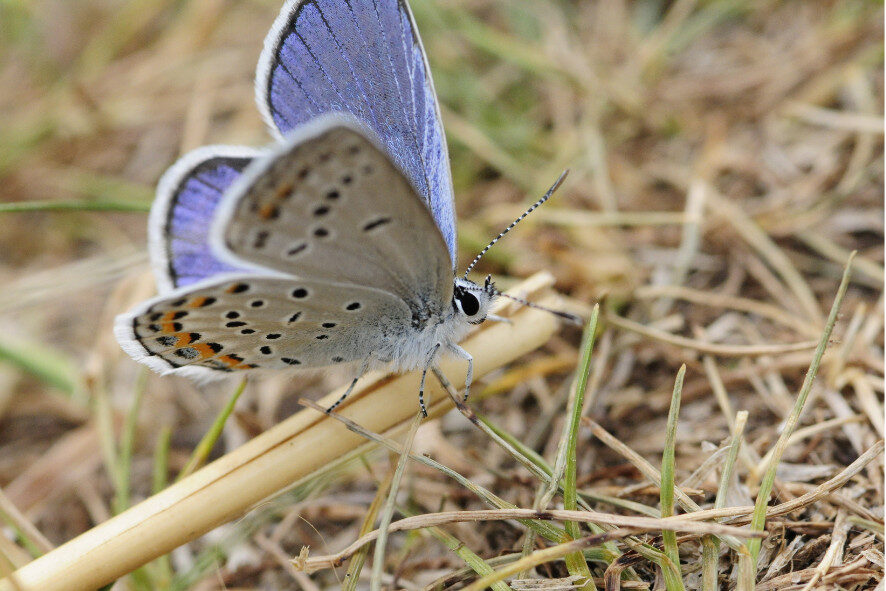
{"x":726,"y":158}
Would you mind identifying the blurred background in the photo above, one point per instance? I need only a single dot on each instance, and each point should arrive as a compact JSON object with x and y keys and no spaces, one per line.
{"x":725,"y":158}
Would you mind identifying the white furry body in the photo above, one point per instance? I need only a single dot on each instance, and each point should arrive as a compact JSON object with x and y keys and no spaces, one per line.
{"x":419,"y":349}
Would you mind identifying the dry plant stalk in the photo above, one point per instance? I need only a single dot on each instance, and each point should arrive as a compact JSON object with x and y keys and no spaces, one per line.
{"x":290,"y":451}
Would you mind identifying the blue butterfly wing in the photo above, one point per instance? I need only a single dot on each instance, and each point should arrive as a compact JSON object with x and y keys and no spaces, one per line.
{"x":363,"y":57}
{"x":187,"y":197}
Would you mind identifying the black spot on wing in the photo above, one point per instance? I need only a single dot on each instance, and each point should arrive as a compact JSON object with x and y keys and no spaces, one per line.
{"x":376,"y":223}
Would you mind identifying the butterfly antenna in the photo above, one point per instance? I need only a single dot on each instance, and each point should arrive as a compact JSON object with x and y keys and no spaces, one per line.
{"x":571,"y":318}
{"x":532,"y":208}
{"x":491,"y":289}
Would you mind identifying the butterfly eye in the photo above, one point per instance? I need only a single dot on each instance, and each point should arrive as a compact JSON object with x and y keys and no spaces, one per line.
{"x":468,"y":303}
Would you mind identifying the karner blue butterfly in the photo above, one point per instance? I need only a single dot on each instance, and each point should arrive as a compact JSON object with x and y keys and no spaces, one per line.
{"x":337,"y":245}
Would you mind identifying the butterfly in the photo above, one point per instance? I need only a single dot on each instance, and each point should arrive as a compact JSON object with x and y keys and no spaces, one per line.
{"x":335,"y":246}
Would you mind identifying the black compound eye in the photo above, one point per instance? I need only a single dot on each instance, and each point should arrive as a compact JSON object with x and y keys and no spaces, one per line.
{"x":470,"y":305}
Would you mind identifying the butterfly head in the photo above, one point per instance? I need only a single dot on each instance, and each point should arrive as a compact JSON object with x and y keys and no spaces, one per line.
{"x":472,"y":300}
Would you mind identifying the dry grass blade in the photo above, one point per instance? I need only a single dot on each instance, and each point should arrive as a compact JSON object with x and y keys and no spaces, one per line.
{"x":637,"y":460}
{"x":711,"y":551}
{"x":13,"y":518}
{"x":387,"y":513}
{"x":474,"y":561}
{"x":678,"y":523}
{"x":760,"y":241}
{"x":706,"y":298}
{"x":355,"y":565}
{"x":831,"y":485}
{"x":702,"y":347}
{"x":539,"y":527}
{"x":549,"y":554}
{"x":834,"y":552}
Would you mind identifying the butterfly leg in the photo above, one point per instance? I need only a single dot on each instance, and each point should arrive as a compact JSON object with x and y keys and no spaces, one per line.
{"x":469,"y":378}
{"x":421,"y":393}
{"x":350,"y":388}
{"x":424,"y":373}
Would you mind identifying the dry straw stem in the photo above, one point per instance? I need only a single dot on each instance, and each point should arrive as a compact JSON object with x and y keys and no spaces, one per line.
{"x":278,"y":458}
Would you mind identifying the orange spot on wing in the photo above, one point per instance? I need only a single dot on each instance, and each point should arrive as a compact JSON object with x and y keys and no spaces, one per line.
{"x":184,"y":339}
{"x":284,"y":191}
{"x":267,"y":211}
{"x":204,"y":350}
{"x":169,"y":327}
{"x":197,"y":302}
{"x":232,"y":362}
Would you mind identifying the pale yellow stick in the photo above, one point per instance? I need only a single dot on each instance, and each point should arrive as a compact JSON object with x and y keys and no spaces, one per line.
{"x":230,"y":486}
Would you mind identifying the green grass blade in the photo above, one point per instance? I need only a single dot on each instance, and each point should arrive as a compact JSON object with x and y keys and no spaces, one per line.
{"x":161,"y":460}
{"x":668,"y":468}
{"x":44,"y":363}
{"x":161,"y":569}
{"x":758,"y":521}
{"x":711,"y":550}
{"x":575,"y":562}
{"x":107,"y":206}
{"x":208,"y":442}
{"x":127,"y":440}
{"x":470,"y":558}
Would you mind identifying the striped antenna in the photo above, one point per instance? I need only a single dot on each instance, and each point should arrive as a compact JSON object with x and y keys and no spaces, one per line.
{"x":534,"y":206}
{"x":489,"y":288}
{"x":571,"y":318}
